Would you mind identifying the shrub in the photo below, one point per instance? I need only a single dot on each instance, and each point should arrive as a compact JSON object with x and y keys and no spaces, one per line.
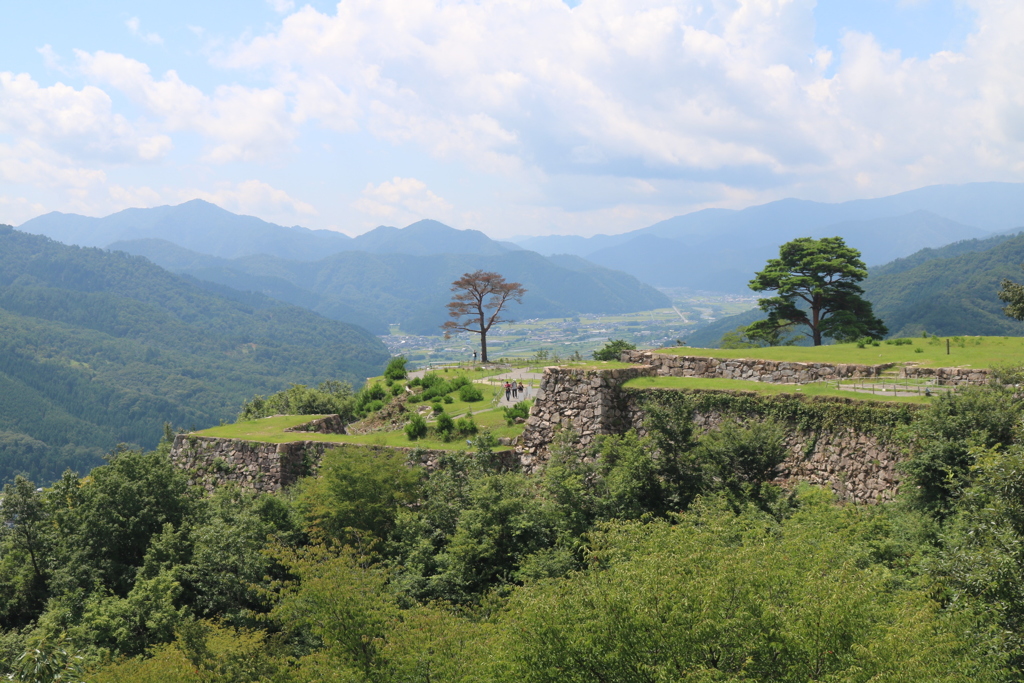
{"x":521,"y":409}
{"x":437,"y":407}
{"x":329,"y":397}
{"x":444,"y":427}
{"x":416,"y":428}
{"x":466,"y":426}
{"x":396,"y":369}
{"x":396,"y":389}
{"x":613,"y":349}
{"x":447,"y":399}
{"x":470,"y":393}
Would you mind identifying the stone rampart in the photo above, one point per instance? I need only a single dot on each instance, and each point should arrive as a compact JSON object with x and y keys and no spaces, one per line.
{"x":251,"y":465}
{"x":777,"y":372}
{"x":858,"y":465}
{"x":948,"y":376}
{"x":266,"y":467}
{"x":587,"y":401}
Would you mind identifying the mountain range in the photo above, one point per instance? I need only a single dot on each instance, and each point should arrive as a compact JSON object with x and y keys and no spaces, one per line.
{"x":376,"y":290}
{"x":100,"y":347}
{"x":946,"y":291}
{"x":720,"y":249}
{"x":383,"y":277}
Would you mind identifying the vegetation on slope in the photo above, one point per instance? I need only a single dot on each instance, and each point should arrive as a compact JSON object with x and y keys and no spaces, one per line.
{"x":99,"y":348}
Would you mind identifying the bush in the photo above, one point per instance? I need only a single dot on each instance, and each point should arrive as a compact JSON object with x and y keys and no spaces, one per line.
{"x":416,"y":428}
{"x":396,"y":369}
{"x":903,"y":341}
{"x":613,"y":350}
{"x":437,"y":407}
{"x":396,"y":389}
{"x":327,"y":398}
{"x":470,"y":393}
{"x":444,"y":427}
{"x":465,"y":426}
{"x":446,"y":399}
{"x":521,"y":409}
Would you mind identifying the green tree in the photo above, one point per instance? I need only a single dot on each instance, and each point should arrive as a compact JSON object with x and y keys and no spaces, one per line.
{"x":1012,"y":294}
{"x":477,"y":304}
{"x":613,"y":349}
{"x":816,"y":285}
{"x":396,"y":369}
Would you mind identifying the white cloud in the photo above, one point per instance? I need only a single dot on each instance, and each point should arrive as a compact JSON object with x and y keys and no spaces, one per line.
{"x":134,"y":24}
{"x":77,"y":122}
{"x":677,"y":86}
{"x":281,"y":6}
{"x":240,"y":123}
{"x":402,"y":200}
{"x":17,"y":210}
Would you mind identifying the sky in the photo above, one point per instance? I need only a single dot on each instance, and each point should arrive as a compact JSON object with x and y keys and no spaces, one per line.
{"x":514,"y":117}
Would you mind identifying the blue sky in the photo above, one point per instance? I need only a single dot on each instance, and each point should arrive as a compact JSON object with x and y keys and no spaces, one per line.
{"x":515,"y":117}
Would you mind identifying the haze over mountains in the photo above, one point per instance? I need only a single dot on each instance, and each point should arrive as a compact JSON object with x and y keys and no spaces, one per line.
{"x":720,"y":249}
{"x":385,"y":276}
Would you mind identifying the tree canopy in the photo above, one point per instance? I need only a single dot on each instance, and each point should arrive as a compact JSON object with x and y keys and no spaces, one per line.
{"x":815,"y":281}
{"x":1012,"y":294}
{"x":477,"y":304}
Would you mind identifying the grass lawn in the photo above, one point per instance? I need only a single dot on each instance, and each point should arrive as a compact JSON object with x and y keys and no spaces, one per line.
{"x":271,"y":430}
{"x":976,"y":352}
{"x":764,"y":388}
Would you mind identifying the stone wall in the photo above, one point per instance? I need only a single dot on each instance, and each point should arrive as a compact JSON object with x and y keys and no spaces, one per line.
{"x":252,"y":465}
{"x":948,"y":376}
{"x":858,"y":466}
{"x":587,"y":401}
{"x":328,"y":424}
{"x":777,"y":372}
{"x":266,"y":467}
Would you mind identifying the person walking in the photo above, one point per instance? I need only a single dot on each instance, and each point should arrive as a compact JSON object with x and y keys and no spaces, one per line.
{"x":515,"y":390}
{"x":508,"y":391}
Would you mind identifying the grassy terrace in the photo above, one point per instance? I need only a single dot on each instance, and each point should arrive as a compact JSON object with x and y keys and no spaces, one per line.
{"x":976,"y":352}
{"x":817,"y":389}
{"x":271,"y":430}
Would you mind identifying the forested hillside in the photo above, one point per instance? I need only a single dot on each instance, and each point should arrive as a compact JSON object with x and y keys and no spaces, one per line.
{"x":98,"y":348}
{"x":376,"y":290}
{"x":607,"y":565}
{"x":946,"y":291}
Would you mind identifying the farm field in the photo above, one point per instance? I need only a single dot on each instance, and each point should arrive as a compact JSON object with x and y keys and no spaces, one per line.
{"x":976,"y":352}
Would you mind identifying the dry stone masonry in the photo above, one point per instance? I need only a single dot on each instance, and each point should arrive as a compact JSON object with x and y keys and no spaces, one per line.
{"x":858,"y":466}
{"x":777,"y":372}
{"x":587,"y":401}
{"x":252,"y":465}
{"x":947,"y":376}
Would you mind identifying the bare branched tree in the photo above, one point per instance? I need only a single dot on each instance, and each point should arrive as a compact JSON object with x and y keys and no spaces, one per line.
{"x":477,"y":304}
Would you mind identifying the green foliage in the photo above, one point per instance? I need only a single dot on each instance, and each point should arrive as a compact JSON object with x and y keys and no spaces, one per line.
{"x":740,"y":598}
{"x":816,"y":286}
{"x":466,"y":426}
{"x":416,"y":428}
{"x":99,"y":348}
{"x":396,"y":369}
{"x":444,"y":427}
{"x":521,"y":410}
{"x":470,"y":393}
{"x":331,"y":397}
{"x":357,"y":493}
{"x":750,"y":337}
{"x":944,"y":438}
{"x":613,"y":350}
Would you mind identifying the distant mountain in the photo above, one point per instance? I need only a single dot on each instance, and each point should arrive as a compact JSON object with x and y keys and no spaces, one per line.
{"x":946,"y":291}
{"x":950,"y":296}
{"x":720,"y":249}
{"x":98,"y":348}
{"x":377,"y":290}
{"x":197,"y":225}
{"x":206,"y":228}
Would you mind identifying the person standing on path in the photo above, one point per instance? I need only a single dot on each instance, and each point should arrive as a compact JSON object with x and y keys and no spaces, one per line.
{"x":508,"y":391}
{"x":515,"y":390}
